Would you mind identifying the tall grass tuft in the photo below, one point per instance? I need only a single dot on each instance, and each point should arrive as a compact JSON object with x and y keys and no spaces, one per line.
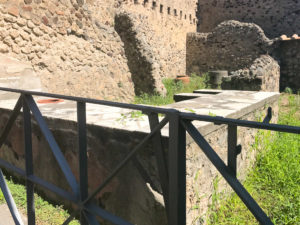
{"x":275,"y":180}
{"x":173,"y":87}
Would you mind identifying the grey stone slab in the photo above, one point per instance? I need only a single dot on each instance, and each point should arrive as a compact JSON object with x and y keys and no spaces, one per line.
{"x":233,"y":104}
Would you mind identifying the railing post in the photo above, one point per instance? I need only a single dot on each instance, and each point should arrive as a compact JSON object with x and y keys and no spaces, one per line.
{"x":160,"y":158}
{"x":83,"y":168}
{"x":177,"y":171}
{"x":232,"y":145}
{"x":233,"y":149}
{"x":28,"y":162}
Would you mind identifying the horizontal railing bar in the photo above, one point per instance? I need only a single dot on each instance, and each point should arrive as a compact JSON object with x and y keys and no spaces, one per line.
{"x":37,"y":180}
{"x":184,"y":115}
{"x":92,"y":101}
{"x":51,"y":187}
{"x":13,"y":168}
{"x":241,"y":123}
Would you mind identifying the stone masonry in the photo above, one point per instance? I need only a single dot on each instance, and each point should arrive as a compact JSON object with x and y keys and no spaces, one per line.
{"x":70,"y":54}
{"x":240,"y":48}
{"x":288,"y":54}
{"x":275,"y":17}
{"x":75,"y":50}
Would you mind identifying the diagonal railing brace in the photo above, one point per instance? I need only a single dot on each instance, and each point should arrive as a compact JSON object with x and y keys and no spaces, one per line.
{"x":11,"y":121}
{"x":53,"y":144}
{"x":116,"y":171}
{"x":10,"y":201}
{"x":227,"y":174}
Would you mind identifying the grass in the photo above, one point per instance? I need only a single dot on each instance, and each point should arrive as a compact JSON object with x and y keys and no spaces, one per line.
{"x":275,"y":180}
{"x":46,"y":213}
{"x":173,"y":87}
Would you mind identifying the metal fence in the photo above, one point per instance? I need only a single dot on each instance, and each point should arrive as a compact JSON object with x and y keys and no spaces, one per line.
{"x":171,"y":167}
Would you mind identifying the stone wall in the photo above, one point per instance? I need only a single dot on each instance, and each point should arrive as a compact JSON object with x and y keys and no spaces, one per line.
{"x":71,"y":52}
{"x":288,"y":55}
{"x":276,"y":17}
{"x":263,"y":74}
{"x":230,"y":46}
{"x":74,"y":48}
{"x":159,"y":29}
{"x":240,"y":48}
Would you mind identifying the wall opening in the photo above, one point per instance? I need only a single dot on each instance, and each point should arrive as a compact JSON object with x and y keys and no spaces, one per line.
{"x":175,"y":12}
{"x":161,"y":8}
{"x":169,"y":10}
{"x":154,"y":5}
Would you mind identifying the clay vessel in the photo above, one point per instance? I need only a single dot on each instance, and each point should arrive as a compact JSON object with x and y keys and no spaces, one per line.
{"x":185,"y":79}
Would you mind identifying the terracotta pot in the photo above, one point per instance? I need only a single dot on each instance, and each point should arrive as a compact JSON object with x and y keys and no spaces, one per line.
{"x":50,"y":100}
{"x":185,"y":79}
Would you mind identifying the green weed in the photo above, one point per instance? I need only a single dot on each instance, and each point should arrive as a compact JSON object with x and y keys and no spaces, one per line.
{"x":46,"y":213}
{"x":173,"y":87}
{"x":275,"y":180}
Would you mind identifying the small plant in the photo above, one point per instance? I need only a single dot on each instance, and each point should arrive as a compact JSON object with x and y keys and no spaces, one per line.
{"x":120,"y":84}
{"x":288,"y":90}
{"x":190,"y":110}
{"x":129,"y":116}
{"x":211,"y":114}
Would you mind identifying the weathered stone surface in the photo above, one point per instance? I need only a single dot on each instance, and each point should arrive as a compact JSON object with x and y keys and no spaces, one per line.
{"x":263,"y":74}
{"x":230,"y":46}
{"x":240,"y":48}
{"x":140,"y":56}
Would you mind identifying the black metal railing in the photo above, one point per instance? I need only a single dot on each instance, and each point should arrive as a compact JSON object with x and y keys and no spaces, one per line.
{"x":171,"y":167}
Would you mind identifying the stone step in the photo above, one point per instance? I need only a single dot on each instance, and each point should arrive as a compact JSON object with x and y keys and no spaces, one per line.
{"x":185,"y":96}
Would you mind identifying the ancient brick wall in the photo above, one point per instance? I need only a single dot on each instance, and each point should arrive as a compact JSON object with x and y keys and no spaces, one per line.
{"x":230,"y":46}
{"x":276,"y":17}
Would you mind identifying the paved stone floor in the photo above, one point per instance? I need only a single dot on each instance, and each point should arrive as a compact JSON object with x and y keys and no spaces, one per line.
{"x":6,"y":218}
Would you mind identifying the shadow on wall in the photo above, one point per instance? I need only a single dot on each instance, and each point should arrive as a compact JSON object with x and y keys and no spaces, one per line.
{"x":139,"y":64}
